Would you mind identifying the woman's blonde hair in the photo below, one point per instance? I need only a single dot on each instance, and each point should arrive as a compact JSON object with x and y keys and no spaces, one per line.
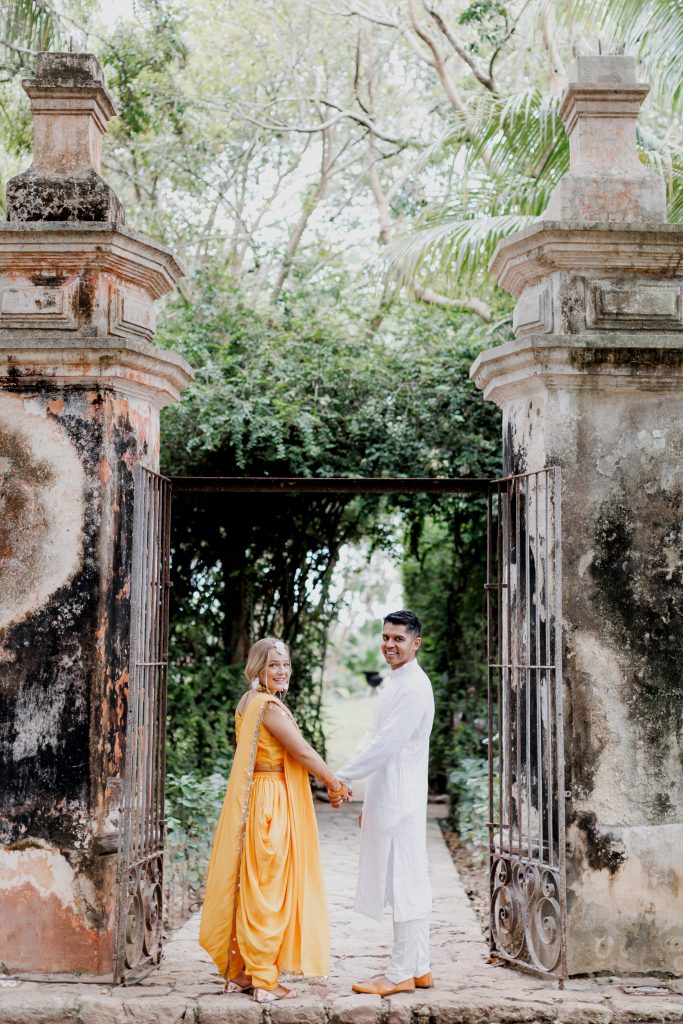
{"x":258,"y":656}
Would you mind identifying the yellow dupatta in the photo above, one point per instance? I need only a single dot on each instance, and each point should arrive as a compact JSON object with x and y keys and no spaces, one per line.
{"x":305,"y":945}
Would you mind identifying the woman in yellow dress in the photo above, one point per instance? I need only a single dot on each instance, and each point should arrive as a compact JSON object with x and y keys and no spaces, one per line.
{"x":265,"y":909}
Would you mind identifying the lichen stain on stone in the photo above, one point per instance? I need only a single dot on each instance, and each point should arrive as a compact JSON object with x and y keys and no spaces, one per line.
{"x":47,"y":280}
{"x":643,"y":609}
{"x":38,"y":721}
{"x":45,"y":694}
{"x":44,"y":197}
{"x":662,"y":807}
{"x":648,"y":360}
{"x":586,"y":749}
{"x":41,"y":508}
{"x":124,"y":449}
{"x":573,"y":311}
{"x":604,"y":851}
{"x":114,"y":709}
{"x":85,"y":297}
{"x":514,"y":451}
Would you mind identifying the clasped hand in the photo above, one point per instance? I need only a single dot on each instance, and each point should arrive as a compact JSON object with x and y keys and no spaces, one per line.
{"x":338,"y":793}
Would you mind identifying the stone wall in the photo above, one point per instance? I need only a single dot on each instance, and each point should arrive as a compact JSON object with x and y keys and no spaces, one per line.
{"x":81,"y":386}
{"x":594,"y":384}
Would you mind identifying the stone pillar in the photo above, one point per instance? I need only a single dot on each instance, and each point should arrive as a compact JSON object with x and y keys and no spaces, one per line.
{"x":81,"y":386}
{"x":593,"y":383}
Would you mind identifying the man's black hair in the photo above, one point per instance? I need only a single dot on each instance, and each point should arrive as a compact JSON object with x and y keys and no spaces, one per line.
{"x":407,"y":619}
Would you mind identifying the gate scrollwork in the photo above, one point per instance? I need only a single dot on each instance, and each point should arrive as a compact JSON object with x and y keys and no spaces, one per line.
{"x":525,"y":914}
{"x":525,"y":730}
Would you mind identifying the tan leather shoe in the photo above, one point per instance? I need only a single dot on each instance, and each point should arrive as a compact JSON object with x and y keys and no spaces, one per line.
{"x":381,"y":986}
{"x":424,"y":981}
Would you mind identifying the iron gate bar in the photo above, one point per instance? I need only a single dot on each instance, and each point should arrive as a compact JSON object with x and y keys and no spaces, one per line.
{"x":141,"y":814}
{"x":524,"y":655}
{"x":526,"y":742}
{"x":330,"y":485}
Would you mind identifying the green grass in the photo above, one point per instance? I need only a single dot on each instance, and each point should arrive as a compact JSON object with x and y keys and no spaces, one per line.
{"x":346,"y":720}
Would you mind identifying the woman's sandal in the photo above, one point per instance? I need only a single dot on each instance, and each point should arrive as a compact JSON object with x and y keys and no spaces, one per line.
{"x":264,"y":995}
{"x":232,"y":986}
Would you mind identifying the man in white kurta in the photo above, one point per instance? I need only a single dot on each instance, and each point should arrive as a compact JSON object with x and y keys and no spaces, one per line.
{"x":393,"y":840}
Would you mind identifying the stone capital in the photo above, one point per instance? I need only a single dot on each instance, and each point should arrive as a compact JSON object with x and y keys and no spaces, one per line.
{"x":71,"y":107}
{"x":77,"y":308}
{"x":606,"y":180}
{"x":606,"y":248}
{"x":537,"y":363}
{"x":130,"y":367}
{"x":54,"y":250}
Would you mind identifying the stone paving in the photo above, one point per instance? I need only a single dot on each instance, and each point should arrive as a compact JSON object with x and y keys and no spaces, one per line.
{"x":468,"y":989}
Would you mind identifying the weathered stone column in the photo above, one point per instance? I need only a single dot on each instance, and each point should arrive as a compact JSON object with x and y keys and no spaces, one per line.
{"x":81,"y":387}
{"x":594,"y":384}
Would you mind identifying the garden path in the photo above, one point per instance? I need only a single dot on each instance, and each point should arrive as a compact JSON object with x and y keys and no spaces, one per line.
{"x":468,"y":989}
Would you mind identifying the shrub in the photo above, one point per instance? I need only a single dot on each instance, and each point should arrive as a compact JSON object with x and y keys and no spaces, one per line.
{"x":193,"y":806}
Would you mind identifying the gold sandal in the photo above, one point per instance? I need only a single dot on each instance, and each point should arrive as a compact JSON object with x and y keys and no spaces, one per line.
{"x":264,"y":995}
{"x":232,"y":987}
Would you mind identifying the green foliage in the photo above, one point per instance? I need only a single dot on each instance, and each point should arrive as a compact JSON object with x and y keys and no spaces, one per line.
{"x":202,"y":694}
{"x":444,"y":583}
{"x":310,"y":388}
{"x":193,"y":805}
{"x":361,"y":653}
{"x":141,"y":71}
{"x":444,"y":577}
{"x":26,"y":26}
{"x":653,"y":29}
{"x":469,"y":789}
{"x":489,"y":19}
{"x":506,"y":148}
{"x":307,"y":389}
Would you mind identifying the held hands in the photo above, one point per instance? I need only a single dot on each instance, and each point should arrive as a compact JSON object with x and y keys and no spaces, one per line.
{"x":338,"y":793}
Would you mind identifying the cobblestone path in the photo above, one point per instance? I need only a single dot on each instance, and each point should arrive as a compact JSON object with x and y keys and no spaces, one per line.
{"x":468,"y":990}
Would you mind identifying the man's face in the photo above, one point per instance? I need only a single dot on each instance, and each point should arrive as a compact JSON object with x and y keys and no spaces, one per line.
{"x":398,"y":645}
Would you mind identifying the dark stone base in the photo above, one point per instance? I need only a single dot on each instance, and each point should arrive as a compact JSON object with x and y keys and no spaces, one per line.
{"x":31,"y":197}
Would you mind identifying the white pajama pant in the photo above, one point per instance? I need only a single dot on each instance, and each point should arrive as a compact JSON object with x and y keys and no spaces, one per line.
{"x":410,"y":955}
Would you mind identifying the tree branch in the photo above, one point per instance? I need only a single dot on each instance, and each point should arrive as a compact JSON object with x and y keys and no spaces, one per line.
{"x":482,"y":77}
{"x":382,"y":199}
{"x":449,"y":86}
{"x":313,"y":129}
{"x":310,"y":204}
{"x":432,"y":298}
{"x":359,"y":11}
{"x":558,"y":73}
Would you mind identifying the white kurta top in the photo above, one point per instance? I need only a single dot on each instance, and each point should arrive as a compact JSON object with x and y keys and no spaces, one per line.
{"x":393,"y":839}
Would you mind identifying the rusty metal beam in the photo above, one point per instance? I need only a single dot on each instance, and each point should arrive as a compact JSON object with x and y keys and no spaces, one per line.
{"x":329,"y":485}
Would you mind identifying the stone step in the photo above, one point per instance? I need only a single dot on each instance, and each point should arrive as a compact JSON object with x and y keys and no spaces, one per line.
{"x":125,"y":1007}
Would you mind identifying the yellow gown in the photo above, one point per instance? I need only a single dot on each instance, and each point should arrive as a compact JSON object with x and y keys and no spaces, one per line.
{"x":265,"y":909}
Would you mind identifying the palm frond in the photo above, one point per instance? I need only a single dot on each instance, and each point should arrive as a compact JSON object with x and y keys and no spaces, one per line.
{"x":519,"y":155}
{"x":26,"y":27}
{"x":449,"y":254}
{"x":652,"y":29}
{"x":521,"y":134}
{"x":666,"y":159}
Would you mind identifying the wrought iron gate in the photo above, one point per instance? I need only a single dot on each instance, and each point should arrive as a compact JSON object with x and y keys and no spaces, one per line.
{"x":141,"y":815}
{"x":525,"y":734}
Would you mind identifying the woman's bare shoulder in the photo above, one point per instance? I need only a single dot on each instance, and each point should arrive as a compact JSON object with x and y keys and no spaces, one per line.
{"x":276,"y":709}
